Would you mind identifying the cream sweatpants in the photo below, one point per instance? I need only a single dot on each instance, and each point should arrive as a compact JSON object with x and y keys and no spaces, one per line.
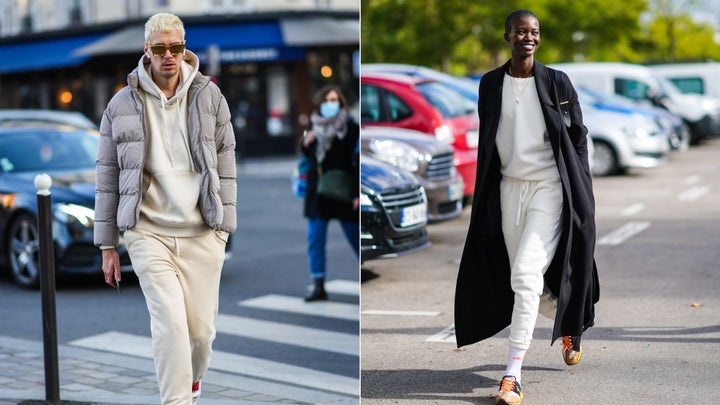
{"x":531,"y":224}
{"x":180,"y":279}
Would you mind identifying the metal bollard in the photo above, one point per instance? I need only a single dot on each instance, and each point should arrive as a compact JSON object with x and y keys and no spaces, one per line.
{"x":47,"y":287}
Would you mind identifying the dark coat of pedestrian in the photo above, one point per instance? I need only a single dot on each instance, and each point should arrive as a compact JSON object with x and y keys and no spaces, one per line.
{"x":483,"y":300}
{"x":532,"y":230}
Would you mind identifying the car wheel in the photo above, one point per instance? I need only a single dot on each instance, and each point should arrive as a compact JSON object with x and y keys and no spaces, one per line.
{"x":23,"y":247}
{"x":605,"y":160}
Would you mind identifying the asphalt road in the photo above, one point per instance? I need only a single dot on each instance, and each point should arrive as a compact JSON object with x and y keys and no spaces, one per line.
{"x":263,"y":281}
{"x":657,"y":333}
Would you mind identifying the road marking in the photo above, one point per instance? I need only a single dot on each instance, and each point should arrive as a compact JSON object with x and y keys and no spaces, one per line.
{"x":141,"y":346}
{"x":693,"y":193}
{"x":288,"y":334}
{"x":690,"y":180}
{"x":623,"y":233}
{"x":399,"y":313}
{"x":297,"y":305}
{"x":344,"y":287}
{"x":633,"y":209}
{"x":447,"y":335}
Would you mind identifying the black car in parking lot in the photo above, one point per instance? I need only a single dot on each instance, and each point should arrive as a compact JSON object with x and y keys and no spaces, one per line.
{"x":394,"y":211}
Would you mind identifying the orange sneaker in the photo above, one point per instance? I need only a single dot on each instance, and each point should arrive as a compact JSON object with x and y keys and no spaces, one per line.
{"x":572,"y":351}
{"x":510,"y":392}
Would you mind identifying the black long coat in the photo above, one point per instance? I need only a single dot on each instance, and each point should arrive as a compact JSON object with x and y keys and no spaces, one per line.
{"x":483,"y":296}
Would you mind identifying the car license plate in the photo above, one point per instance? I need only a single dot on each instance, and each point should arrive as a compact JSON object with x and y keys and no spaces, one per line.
{"x":413,"y":215}
{"x":456,"y":191}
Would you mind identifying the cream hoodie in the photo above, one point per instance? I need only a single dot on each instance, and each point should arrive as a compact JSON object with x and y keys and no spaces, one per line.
{"x":170,"y":182}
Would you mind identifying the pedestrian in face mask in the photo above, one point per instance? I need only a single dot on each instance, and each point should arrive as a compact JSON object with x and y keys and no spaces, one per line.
{"x":330,"y":145}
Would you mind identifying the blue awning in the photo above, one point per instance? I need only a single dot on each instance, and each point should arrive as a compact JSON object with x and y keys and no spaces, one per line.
{"x":44,"y":54}
{"x":238,"y":35}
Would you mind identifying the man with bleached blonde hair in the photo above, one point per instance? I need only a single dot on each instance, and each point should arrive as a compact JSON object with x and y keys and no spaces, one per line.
{"x":165,"y":175}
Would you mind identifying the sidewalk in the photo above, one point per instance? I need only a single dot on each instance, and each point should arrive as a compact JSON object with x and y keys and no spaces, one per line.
{"x":89,"y":377}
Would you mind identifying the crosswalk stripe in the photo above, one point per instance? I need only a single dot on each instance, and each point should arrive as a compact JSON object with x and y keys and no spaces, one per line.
{"x":141,"y":346}
{"x":297,"y":305}
{"x":399,"y":313}
{"x":335,"y":342}
{"x":345,"y":287}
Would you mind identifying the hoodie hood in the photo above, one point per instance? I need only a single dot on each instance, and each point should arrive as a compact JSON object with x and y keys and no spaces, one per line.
{"x":189,"y":67}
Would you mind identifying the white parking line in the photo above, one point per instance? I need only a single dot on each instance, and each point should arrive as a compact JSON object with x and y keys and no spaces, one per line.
{"x":447,"y":335}
{"x":690,"y":180}
{"x":623,"y":233}
{"x":693,"y":193}
{"x":399,"y":313}
{"x":633,"y":209}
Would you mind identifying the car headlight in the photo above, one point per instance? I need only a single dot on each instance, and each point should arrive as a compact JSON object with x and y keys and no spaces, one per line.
{"x":73,"y":213}
{"x":398,"y":154}
{"x":366,"y":203}
{"x":445,"y":134}
{"x":637,"y":132}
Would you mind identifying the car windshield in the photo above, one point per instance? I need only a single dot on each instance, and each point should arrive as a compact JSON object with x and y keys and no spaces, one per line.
{"x":448,"y":102}
{"x":29,"y":151}
{"x":668,"y":87}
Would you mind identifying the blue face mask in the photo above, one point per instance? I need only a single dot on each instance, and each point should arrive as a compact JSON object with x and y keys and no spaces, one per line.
{"x":329,"y":109}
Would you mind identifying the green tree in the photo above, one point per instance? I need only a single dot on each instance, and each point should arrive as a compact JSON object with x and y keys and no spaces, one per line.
{"x":461,"y":37}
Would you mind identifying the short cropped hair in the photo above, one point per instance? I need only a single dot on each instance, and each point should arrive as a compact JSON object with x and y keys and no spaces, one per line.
{"x":164,"y":22}
{"x":517,"y":14}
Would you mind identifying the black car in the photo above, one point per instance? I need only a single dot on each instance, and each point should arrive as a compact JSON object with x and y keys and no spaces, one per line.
{"x":67,"y":154}
{"x":393,"y":211}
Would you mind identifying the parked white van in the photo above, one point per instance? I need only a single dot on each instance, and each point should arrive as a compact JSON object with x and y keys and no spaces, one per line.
{"x":639,"y":83}
{"x":692,"y":78}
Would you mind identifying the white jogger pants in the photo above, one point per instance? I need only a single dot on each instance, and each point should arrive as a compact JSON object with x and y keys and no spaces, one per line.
{"x":180,"y":278}
{"x":531,"y":224}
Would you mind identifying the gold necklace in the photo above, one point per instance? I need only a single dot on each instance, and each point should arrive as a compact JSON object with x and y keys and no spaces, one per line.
{"x":522,"y":84}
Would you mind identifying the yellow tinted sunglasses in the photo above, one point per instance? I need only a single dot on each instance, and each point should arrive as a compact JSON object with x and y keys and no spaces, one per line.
{"x":160,"y":50}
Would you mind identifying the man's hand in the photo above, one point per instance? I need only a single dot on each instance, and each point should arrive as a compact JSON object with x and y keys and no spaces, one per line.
{"x":111,"y":266}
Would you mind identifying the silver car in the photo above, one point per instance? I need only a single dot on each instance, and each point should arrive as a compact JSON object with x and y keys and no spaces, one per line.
{"x":424,"y":156}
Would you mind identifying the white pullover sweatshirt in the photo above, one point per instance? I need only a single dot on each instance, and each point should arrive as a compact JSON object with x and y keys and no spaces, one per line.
{"x":170,"y":182}
{"x":522,"y":141}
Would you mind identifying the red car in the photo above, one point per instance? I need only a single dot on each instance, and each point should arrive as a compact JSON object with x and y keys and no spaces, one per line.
{"x":425,"y":105}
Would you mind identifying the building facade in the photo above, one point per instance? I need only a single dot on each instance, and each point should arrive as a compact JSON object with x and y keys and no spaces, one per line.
{"x":268,"y":57}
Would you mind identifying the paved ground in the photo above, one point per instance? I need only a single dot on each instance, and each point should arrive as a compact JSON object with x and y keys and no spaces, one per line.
{"x":105,"y":378}
{"x":657,"y":327}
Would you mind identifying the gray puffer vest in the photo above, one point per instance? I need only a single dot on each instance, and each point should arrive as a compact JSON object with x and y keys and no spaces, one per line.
{"x":121,"y":157}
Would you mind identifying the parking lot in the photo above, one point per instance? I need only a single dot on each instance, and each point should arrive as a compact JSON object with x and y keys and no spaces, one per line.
{"x":658,"y":320}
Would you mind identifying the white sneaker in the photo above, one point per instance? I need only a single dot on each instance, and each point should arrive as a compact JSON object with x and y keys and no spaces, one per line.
{"x":195,"y":392}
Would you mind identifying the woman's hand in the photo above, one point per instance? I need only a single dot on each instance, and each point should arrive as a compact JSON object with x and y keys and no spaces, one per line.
{"x":308,"y":138}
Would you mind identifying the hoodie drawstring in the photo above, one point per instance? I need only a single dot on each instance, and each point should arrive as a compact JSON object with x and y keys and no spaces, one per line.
{"x":524,"y":187}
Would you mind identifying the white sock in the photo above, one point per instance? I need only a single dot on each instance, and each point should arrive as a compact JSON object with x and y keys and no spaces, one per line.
{"x":514,"y":364}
